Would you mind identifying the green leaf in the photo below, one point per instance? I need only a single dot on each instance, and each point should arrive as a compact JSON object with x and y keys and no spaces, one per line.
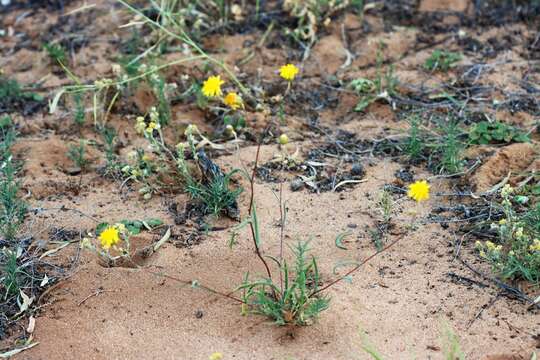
{"x":340,"y":238}
{"x":102,"y":226}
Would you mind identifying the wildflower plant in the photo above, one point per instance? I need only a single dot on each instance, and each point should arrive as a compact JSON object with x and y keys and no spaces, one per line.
{"x":111,"y":242}
{"x":516,"y":254}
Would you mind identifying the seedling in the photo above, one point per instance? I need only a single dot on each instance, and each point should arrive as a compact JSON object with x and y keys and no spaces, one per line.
{"x":442,"y":60}
{"x":77,"y":154}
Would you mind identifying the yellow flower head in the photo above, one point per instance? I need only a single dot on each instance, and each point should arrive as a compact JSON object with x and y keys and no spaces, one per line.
{"x":288,"y":72}
{"x":216,"y":356}
{"x":419,"y":191}
{"x":233,"y":100}
{"x":109,"y":237}
{"x":212,"y":86}
{"x":283,"y":139}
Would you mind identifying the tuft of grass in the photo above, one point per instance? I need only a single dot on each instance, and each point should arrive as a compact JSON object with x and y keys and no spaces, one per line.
{"x":414,"y":146}
{"x":450,"y":149}
{"x":215,"y":192}
{"x":291,"y":302}
{"x":11,"y":274}
{"x":216,"y":195}
{"x":12,"y":208}
{"x":56,"y":52}
{"x":442,"y":60}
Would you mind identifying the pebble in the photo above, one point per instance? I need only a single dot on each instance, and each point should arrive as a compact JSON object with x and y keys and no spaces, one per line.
{"x":297,"y":184}
{"x":357,"y":170}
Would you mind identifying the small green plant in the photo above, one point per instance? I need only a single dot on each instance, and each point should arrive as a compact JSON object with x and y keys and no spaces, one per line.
{"x":414,"y":145}
{"x":516,"y":255}
{"x":214,"y":192}
{"x":56,"y":52}
{"x":385,"y":205}
{"x":442,"y":60}
{"x":450,"y":148}
{"x":451,"y":348}
{"x":77,"y":154}
{"x":12,"y":208}
{"x":11,"y":273}
{"x":291,"y":302}
{"x":79,"y":111}
{"x":108,"y":135}
{"x":381,"y":88}
{"x":486,"y":132}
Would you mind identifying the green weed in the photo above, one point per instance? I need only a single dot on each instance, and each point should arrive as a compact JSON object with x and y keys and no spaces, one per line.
{"x":414,"y":145}
{"x":381,"y":88}
{"x":56,"y":52}
{"x":291,"y":302}
{"x":516,"y":255}
{"x":11,"y":274}
{"x":442,"y":60}
{"x":12,"y":208}
{"x":486,"y":132}
{"x":450,"y":148}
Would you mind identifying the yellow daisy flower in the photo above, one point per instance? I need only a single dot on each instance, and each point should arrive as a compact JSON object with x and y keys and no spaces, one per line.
{"x":419,"y":191}
{"x":233,"y":100}
{"x":109,"y":237}
{"x":212,"y":86}
{"x":288,"y":72}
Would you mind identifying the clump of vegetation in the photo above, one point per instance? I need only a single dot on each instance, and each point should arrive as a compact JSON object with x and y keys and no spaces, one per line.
{"x":12,"y":95}
{"x":442,"y":60}
{"x":12,"y":207}
{"x":383,"y":87}
{"x":516,"y":254}
{"x":311,"y":14}
{"x":414,"y":145}
{"x":214,"y":192}
{"x":112,"y":241}
{"x":292,"y":302}
{"x":56,"y":52}
{"x":496,"y":132}
{"x":449,"y":148}
{"x":442,"y":145}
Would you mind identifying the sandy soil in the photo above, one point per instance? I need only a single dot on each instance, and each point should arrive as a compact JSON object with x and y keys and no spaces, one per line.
{"x":401,"y":300}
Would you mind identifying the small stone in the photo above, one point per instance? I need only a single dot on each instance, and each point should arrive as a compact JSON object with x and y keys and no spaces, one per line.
{"x":297,"y":184}
{"x":352,"y":226}
{"x":357,"y":170}
{"x":73,"y":170}
{"x":199,"y":314}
